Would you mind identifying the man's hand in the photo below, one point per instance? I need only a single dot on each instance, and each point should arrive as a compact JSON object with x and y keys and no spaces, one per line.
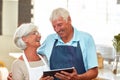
{"x":88,"y":75}
{"x":9,"y":76}
{"x":67,"y":76}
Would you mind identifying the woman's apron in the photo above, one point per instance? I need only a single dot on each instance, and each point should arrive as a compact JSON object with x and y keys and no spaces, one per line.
{"x":35,"y":73}
{"x":65,"y":56}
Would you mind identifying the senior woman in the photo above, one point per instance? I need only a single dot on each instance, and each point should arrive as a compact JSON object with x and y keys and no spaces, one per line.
{"x":30,"y":65}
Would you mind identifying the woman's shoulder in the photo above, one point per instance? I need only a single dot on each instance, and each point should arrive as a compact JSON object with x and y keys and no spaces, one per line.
{"x":17,"y":62}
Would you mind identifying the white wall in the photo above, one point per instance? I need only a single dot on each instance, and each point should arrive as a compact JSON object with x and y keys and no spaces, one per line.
{"x":9,"y":16}
{"x":42,"y":11}
{"x":100,"y":18}
{"x":9,"y":24}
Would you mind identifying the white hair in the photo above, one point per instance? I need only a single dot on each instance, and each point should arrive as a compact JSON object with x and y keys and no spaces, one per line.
{"x":59,"y":12}
{"x":23,"y":30}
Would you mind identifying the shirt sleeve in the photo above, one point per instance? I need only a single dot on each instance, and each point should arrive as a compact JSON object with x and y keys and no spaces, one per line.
{"x":17,"y":72}
{"x":46,"y":47}
{"x":42,"y":48}
{"x":91,"y":53}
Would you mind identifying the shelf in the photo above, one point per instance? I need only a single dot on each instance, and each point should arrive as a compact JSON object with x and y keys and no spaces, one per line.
{"x":15,"y":54}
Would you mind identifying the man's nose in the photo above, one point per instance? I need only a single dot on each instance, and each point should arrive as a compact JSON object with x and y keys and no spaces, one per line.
{"x":57,"y":29}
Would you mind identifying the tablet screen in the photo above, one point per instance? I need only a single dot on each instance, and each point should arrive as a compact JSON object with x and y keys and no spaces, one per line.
{"x":53,"y":72}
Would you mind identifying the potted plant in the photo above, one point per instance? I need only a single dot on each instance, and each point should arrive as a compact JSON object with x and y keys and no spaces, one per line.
{"x":116,"y":43}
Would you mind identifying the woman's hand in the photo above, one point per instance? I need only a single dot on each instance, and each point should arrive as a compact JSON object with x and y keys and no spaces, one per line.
{"x":47,"y":78}
{"x":9,"y":77}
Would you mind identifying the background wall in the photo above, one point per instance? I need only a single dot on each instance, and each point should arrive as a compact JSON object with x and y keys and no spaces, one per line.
{"x":7,"y":46}
{"x":9,"y":24}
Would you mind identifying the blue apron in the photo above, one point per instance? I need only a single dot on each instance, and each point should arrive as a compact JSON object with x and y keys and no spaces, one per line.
{"x":65,"y":56}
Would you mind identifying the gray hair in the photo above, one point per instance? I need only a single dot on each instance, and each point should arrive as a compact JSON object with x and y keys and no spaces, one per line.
{"x":59,"y":12}
{"x":23,"y":30}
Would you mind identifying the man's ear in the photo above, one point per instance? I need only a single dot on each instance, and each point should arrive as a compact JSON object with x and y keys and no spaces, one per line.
{"x":69,"y":19}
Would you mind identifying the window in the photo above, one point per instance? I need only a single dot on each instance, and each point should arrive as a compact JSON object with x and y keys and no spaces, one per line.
{"x":24,"y":15}
{"x":100,"y":18}
{"x":0,"y":17}
{"x":118,"y":1}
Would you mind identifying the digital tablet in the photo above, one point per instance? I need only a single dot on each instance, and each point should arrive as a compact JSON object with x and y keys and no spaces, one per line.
{"x":53,"y":72}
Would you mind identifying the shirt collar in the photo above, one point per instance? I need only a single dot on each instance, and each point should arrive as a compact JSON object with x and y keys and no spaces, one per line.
{"x":74,"y":39}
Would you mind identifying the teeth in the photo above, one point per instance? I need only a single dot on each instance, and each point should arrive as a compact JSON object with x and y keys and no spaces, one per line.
{"x":37,"y":40}
{"x":61,"y":31}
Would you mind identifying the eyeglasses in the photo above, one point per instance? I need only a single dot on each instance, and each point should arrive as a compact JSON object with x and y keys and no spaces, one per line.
{"x":33,"y":33}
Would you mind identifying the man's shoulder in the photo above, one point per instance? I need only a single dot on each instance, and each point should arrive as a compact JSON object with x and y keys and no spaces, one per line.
{"x":83,"y":34}
{"x":52,"y":36}
{"x":49,"y":41}
{"x":77,"y":31}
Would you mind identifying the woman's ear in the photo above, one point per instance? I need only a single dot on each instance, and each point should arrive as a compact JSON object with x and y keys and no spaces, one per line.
{"x":24,"y":39}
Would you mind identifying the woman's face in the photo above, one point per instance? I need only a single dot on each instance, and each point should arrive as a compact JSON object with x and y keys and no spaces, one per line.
{"x":33,"y":39}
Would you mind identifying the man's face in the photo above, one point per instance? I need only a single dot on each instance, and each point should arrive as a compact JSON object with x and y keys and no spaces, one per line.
{"x":61,"y":27}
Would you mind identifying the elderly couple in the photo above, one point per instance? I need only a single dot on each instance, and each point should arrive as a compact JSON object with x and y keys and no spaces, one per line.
{"x":68,"y":47}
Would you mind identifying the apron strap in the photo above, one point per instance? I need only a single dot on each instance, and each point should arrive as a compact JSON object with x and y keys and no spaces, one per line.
{"x":27,"y":63}
{"x":43,"y":60}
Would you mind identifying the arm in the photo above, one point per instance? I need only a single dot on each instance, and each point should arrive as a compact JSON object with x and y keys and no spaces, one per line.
{"x":90,"y":61}
{"x":9,"y":77}
{"x":18,"y":71}
{"x":89,"y":75}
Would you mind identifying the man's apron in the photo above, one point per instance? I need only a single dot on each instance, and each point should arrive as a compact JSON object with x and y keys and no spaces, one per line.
{"x":64,"y":56}
{"x":36,"y":72}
